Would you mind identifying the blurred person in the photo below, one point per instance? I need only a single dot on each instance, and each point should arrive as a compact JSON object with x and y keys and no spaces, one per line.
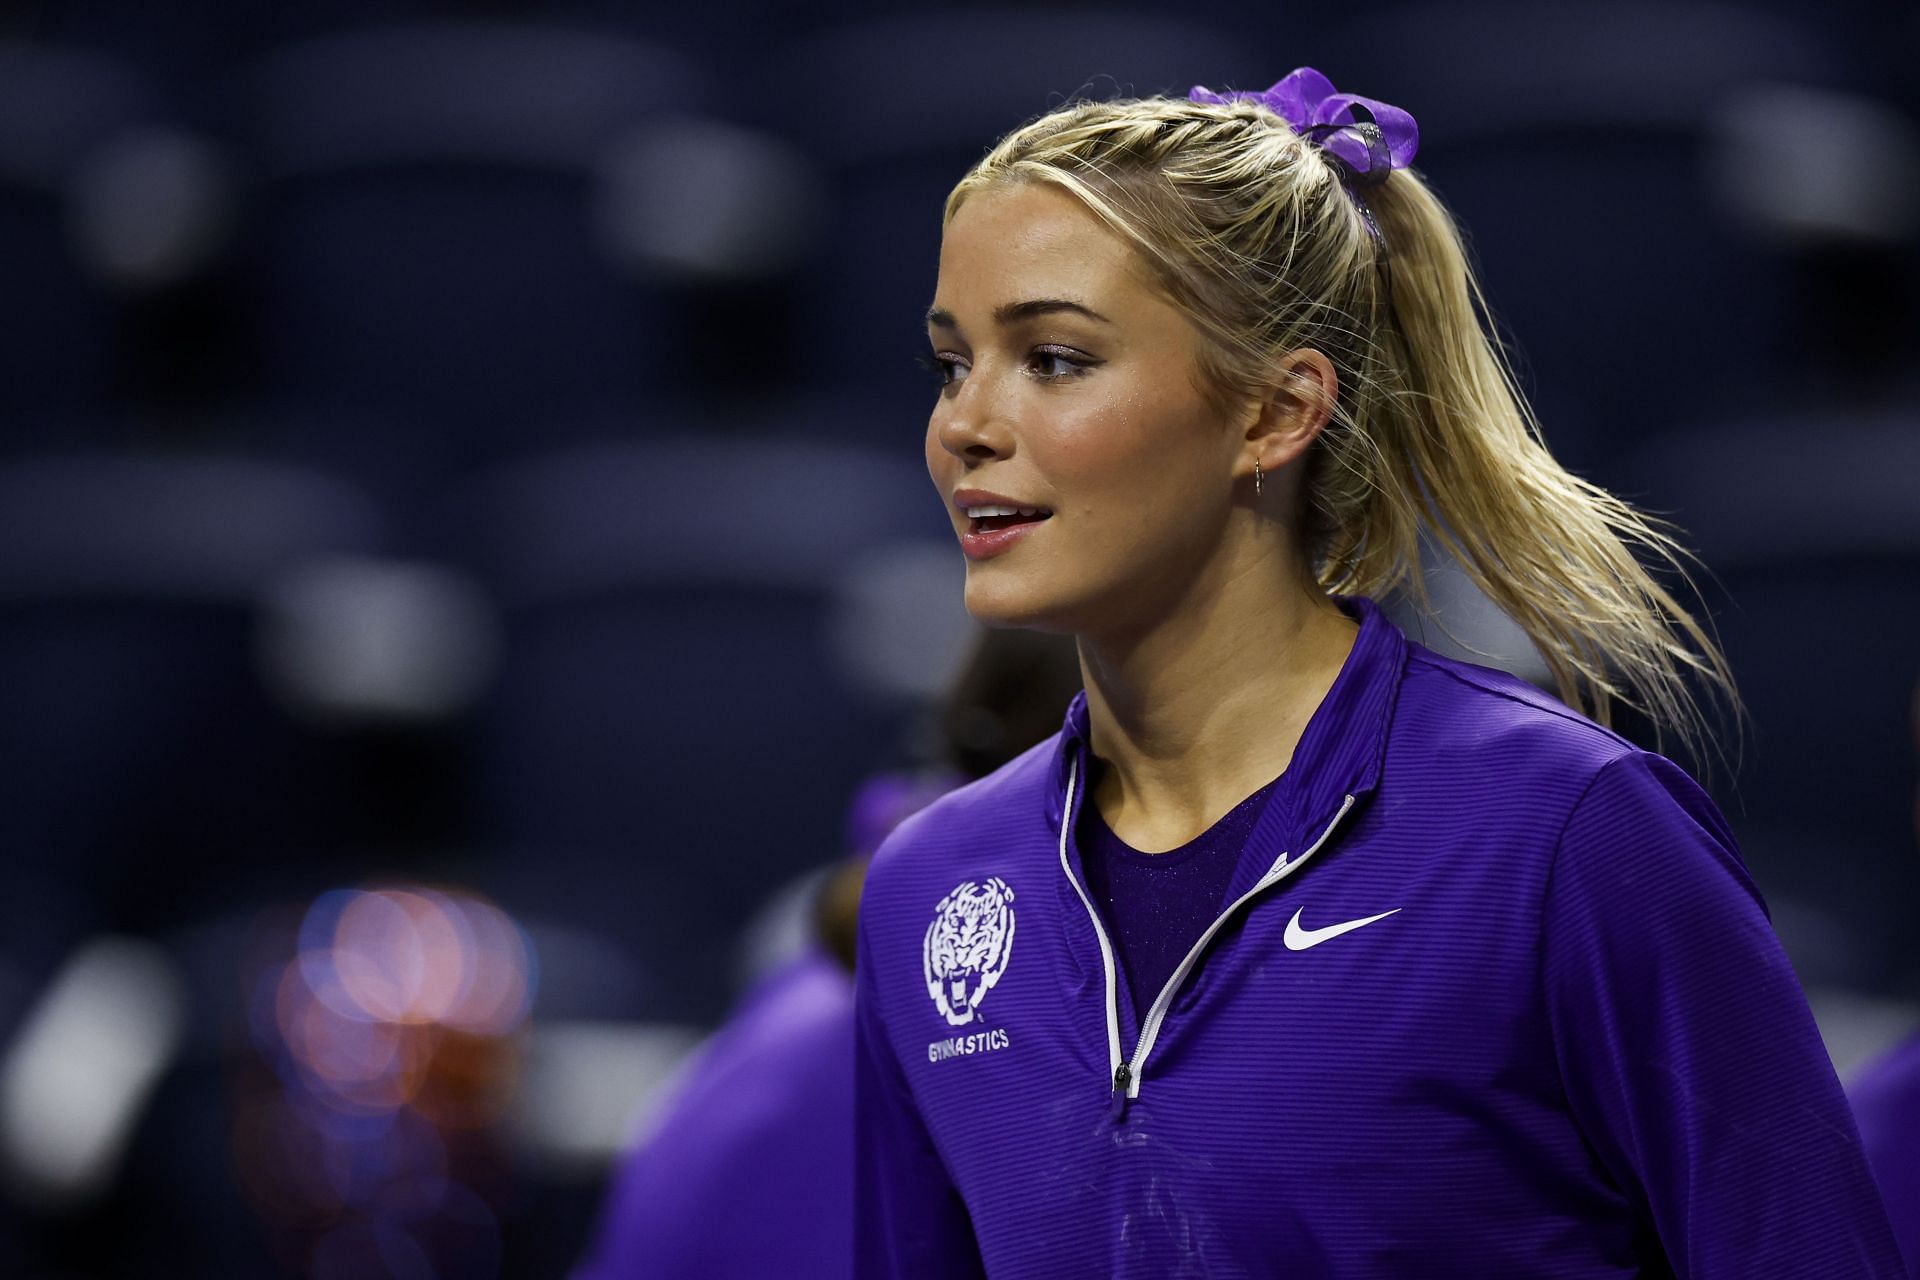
{"x":763,"y":1116}
{"x":1886,"y":1105}
{"x":1301,"y":948}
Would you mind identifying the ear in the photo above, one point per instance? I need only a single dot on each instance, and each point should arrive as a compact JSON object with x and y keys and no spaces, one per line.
{"x":1298,"y":403}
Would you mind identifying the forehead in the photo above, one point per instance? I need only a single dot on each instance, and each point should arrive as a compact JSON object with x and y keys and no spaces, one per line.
{"x":1035,"y":239}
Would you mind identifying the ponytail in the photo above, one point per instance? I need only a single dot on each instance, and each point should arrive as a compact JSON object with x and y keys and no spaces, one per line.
{"x":1458,"y":450}
{"x":1249,"y":231}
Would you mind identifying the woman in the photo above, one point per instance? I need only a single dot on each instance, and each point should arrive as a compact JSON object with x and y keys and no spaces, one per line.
{"x":1302,"y":949}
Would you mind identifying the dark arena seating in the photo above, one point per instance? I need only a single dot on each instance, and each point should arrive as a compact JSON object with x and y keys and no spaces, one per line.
{"x":465,"y":532}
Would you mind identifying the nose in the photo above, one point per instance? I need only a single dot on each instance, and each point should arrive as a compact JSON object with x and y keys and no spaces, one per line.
{"x":968,"y":422}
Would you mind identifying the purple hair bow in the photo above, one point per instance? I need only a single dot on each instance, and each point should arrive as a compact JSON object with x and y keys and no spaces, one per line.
{"x":1371,"y":138}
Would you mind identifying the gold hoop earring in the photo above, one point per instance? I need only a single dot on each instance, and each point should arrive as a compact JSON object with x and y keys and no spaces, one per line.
{"x":1256,"y":478}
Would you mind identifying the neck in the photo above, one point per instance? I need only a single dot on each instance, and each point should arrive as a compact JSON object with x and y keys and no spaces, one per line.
{"x":1192,"y":714}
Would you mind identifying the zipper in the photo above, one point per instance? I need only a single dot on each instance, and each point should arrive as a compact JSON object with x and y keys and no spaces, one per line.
{"x":1126,"y":1074}
{"x":1157,"y":1014}
{"x":1116,"y":1068}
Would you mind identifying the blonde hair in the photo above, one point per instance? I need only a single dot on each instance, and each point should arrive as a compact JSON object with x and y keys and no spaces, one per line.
{"x":1248,"y":230}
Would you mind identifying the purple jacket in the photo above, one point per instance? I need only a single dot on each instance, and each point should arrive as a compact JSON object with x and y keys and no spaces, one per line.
{"x":1495,"y":997}
{"x":750,"y":1171}
{"x":1886,"y":1104}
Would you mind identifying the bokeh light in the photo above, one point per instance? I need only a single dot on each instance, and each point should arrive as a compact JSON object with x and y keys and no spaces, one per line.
{"x":390,"y":1029}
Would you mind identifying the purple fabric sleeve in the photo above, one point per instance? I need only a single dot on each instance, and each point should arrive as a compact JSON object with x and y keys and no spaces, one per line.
{"x":1686,"y":1048}
{"x":908,"y":1217}
{"x":750,"y":1169}
{"x":1886,"y":1103}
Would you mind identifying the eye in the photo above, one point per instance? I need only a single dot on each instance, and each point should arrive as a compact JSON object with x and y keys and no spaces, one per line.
{"x":1054,"y":364}
{"x":946,"y":369}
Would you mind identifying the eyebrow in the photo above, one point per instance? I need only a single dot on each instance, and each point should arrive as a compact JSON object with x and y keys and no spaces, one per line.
{"x":1012,"y":311}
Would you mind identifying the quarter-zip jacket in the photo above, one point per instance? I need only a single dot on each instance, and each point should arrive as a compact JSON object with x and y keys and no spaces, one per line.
{"x":1494,"y":997}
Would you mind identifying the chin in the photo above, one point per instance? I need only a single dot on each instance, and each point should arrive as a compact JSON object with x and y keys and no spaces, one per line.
{"x":1005,"y":603}
{"x":1010,"y":604}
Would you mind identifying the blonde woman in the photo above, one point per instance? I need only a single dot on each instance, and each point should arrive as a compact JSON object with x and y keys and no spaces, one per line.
{"x":1303,"y":950}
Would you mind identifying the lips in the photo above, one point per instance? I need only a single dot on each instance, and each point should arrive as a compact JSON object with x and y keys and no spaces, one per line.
{"x":982,"y":543}
{"x":995,"y":521}
{"x":989,"y":524}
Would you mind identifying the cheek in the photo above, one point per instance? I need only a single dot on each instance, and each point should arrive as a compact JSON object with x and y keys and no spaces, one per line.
{"x":1083,"y":461}
{"x":1134,"y":464}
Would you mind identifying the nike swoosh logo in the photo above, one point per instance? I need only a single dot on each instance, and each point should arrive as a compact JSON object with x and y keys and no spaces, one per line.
{"x":1299,"y":939}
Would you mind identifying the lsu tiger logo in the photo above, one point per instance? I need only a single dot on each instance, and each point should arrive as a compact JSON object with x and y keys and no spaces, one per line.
{"x":966,"y":947}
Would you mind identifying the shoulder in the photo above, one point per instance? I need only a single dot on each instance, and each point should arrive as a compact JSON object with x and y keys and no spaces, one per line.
{"x":983,"y":852}
{"x":1490,"y":745}
{"x":1647,"y":798}
{"x":1646,"y":875}
{"x":1500,"y":752}
{"x":1886,"y":1105}
{"x":787,"y":1037}
{"x":1004,"y":812}
{"x":1478,"y":708}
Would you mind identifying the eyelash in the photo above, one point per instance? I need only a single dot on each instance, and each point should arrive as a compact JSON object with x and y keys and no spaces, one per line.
{"x":938,"y":368}
{"x":942,"y":367}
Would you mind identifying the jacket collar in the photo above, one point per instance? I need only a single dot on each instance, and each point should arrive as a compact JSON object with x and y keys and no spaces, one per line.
{"x":1339,"y":754}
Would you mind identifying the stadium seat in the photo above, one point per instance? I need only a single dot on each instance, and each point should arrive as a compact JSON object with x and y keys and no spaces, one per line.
{"x":1583,"y":176}
{"x":674,"y":732}
{"x":60,"y":351}
{"x":898,"y":108}
{"x":143,"y":761}
{"x":431,"y":240}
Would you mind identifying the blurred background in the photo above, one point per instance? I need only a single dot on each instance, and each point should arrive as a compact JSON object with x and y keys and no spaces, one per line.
{"x":464,"y":534}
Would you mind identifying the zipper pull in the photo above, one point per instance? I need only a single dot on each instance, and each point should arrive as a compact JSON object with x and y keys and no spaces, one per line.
{"x":1122,"y":1077}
